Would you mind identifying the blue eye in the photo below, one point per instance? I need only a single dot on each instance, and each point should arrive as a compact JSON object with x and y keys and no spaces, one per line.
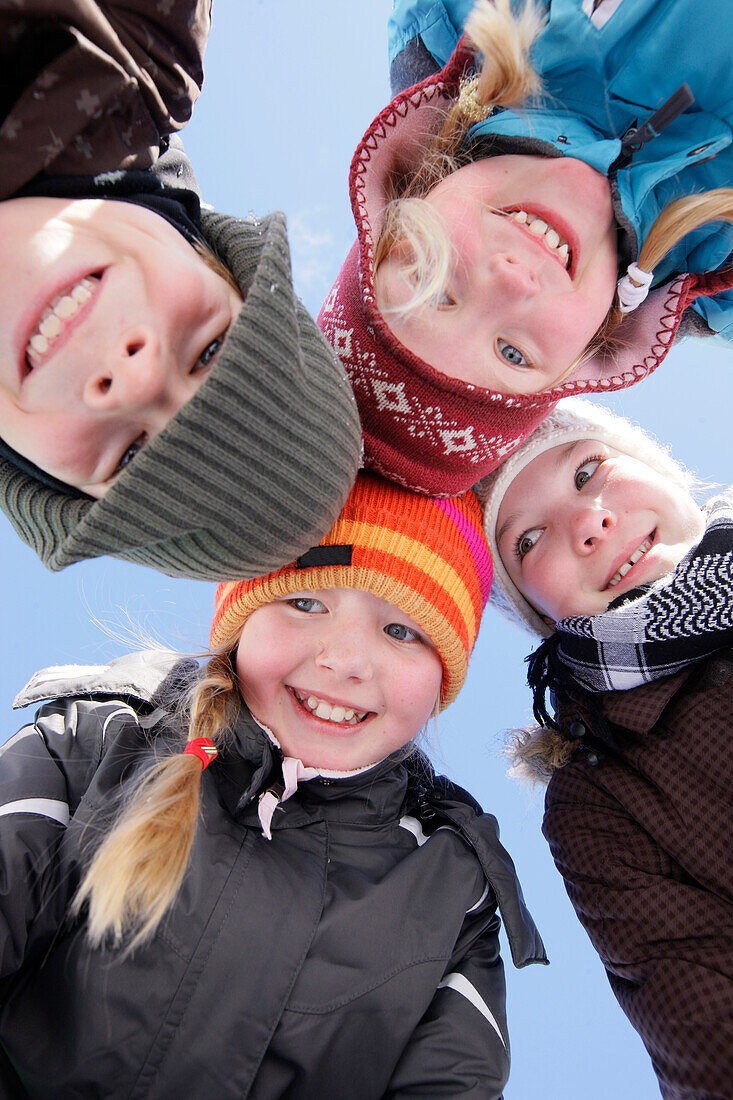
{"x":511,"y":354}
{"x":402,"y":633}
{"x":309,"y":605}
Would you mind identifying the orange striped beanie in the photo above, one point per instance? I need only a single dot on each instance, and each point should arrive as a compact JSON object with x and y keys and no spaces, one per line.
{"x":427,"y":556}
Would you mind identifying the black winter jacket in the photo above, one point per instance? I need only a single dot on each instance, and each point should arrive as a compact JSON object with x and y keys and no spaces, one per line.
{"x":355,"y":955}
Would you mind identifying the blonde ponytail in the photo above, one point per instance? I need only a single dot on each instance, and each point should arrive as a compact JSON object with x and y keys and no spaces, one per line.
{"x":136,"y":873}
{"x":681,"y":217}
{"x":505,"y":78}
{"x":504,"y":41}
{"x":674,"y":222}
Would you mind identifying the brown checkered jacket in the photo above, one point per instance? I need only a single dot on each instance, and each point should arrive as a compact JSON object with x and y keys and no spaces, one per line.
{"x":643,"y":841}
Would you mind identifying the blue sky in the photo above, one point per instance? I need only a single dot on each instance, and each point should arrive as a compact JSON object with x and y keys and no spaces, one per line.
{"x":290,"y":88}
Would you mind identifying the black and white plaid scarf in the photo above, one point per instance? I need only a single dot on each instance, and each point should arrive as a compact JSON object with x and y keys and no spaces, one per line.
{"x":658,"y":629}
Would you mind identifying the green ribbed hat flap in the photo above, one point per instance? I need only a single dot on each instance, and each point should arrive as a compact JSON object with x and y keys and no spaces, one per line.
{"x":250,"y":473}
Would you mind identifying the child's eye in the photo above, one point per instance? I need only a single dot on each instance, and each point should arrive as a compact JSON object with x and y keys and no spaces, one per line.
{"x":585,"y":472}
{"x":209,"y":354}
{"x":402,"y":633}
{"x":445,"y":301}
{"x":307,"y":604}
{"x":526,"y":541}
{"x":511,"y":354}
{"x":132,"y":452}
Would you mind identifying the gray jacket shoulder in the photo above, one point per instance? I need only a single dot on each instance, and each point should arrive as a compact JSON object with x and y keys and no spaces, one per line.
{"x":139,"y":675}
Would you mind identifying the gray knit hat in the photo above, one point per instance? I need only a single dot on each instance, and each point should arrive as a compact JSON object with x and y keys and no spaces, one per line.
{"x":250,"y":473}
{"x":574,"y":418}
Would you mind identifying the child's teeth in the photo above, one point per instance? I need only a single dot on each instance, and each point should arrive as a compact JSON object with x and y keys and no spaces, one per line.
{"x":634,"y":558}
{"x":50,"y":327}
{"x":66,"y":307}
{"x":39,"y":344}
{"x":81,"y":292}
{"x":640,"y":552}
{"x":330,"y":713}
{"x":539,"y":228}
{"x":63,"y":307}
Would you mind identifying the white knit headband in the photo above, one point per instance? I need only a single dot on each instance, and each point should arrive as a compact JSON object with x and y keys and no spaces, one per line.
{"x":573,"y":419}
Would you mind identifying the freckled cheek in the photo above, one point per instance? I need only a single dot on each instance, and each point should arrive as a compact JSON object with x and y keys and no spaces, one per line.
{"x":260,"y":684}
{"x":416,"y":694}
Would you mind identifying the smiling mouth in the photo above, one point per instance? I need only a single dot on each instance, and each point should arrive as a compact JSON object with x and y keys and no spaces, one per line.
{"x":57,"y":317}
{"x":329,"y":712}
{"x":638,"y":554}
{"x":553,"y":241}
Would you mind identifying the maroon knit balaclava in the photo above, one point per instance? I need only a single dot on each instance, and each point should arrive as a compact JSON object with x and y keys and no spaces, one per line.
{"x":431,"y":433}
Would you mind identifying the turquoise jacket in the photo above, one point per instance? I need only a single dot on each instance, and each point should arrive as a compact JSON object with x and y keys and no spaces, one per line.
{"x":602,"y":83}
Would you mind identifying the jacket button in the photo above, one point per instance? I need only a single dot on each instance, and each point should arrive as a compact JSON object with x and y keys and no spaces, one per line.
{"x":577,"y":730}
{"x":562,"y":139}
{"x":591,"y":758}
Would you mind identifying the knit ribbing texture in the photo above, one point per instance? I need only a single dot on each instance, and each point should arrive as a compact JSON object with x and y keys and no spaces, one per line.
{"x":426,"y":556}
{"x":250,"y":472}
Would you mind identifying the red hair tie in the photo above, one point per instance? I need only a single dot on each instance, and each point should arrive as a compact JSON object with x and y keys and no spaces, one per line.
{"x":204,"y":749}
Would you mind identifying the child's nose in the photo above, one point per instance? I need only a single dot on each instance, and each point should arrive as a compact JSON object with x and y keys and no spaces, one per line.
{"x":346,"y":652}
{"x":512,"y":276}
{"x":589,"y":526}
{"x":133,"y":374}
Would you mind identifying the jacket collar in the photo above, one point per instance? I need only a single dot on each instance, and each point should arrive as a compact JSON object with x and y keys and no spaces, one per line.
{"x":252,"y":763}
{"x":640,"y":710}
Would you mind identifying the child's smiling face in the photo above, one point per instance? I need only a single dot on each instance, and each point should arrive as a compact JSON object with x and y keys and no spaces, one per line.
{"x":109,"y":323}
{"x":341,"y":677}
{"x":533,"y":275}
{"x":583,"y":523}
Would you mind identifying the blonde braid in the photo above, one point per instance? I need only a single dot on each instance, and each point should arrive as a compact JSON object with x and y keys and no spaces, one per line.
{"x":136,"y":873}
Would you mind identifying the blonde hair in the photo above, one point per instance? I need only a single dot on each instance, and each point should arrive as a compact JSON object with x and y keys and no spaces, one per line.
{"x":674,"y":222}
{"x":505,"y":78}
{"x":137,"y":870}
{"x":535,"y":753}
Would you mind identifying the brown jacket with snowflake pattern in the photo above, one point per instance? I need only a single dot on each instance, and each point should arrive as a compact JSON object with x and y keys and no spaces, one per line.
{"x":88,"y":89}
